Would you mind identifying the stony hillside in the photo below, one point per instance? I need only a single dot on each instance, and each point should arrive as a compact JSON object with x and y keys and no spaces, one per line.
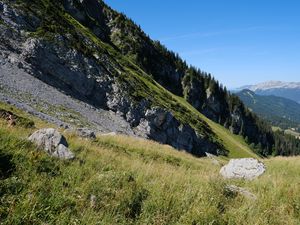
{"x":125,"y":180}
{"x":280,"y":112}
{"x":80,"y":63}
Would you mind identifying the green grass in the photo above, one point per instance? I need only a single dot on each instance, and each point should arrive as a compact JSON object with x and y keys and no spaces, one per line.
{"x":236,"y":144}
{"x":134,"y":181}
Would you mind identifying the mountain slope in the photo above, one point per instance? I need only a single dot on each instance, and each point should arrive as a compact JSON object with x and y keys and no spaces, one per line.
{"x":101,"y":68}
{"x":199,"y":88}
{"x":107,"y":80}
{"x":125,"y":180}
{"x":290,"y":90}
{"x":278,"y":111}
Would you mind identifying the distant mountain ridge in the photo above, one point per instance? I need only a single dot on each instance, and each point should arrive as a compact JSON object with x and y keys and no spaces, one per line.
{"x":272,"y":85}
{"x":290,"y":90}
{"x":279,"y":111}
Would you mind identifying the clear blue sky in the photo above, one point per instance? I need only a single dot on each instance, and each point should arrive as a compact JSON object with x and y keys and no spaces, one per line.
{"x":238,"y":41}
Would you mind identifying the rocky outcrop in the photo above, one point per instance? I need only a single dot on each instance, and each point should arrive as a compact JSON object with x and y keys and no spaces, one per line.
{"x":162,"y":126}
{"x":52,"y":142}
{"x":67,"y":69}
{"x":247,"y":168}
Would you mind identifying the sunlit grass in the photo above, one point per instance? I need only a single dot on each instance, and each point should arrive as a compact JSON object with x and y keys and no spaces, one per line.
{"x":134,"y":181}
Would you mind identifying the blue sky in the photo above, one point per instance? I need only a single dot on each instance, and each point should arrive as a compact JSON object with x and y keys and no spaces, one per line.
{"x":238,"y":41}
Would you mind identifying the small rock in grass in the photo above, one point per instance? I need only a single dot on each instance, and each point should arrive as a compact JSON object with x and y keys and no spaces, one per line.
{"x":93,"y":200}
{"x":85,"y":133}
{"x":242,"y":191}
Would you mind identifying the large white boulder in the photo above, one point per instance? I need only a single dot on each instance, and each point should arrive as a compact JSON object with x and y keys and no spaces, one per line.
{"x":52,"y":142}
{"x":247,"y":168}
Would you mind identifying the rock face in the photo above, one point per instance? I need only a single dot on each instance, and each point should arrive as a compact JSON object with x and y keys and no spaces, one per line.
{"x":162,"y":126}
{"x":52,"y":142}
{"x":247,"y":168}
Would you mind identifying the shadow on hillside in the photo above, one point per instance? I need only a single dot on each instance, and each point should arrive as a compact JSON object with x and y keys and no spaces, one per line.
{"x":7,"y":167}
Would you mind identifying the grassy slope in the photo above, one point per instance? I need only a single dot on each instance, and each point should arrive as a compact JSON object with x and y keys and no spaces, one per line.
{"x":135,"y":182}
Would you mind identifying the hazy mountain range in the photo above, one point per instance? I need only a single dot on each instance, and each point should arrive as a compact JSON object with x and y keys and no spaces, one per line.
{"x":290,"y":90}
{"x":279,"y":111}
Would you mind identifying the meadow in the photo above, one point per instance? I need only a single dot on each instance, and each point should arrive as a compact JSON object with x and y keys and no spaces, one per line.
{"x":125,"y":180}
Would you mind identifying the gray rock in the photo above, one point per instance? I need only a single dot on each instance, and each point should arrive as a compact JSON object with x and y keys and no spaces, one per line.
{"x":108,"y":134}
{"x":209,"y":155}
{"x":213,"y":158}
{"x":52,"y":142}
{"x":85,"y":133}
{"x":247,"y":168}
{"x":242,"y":191}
